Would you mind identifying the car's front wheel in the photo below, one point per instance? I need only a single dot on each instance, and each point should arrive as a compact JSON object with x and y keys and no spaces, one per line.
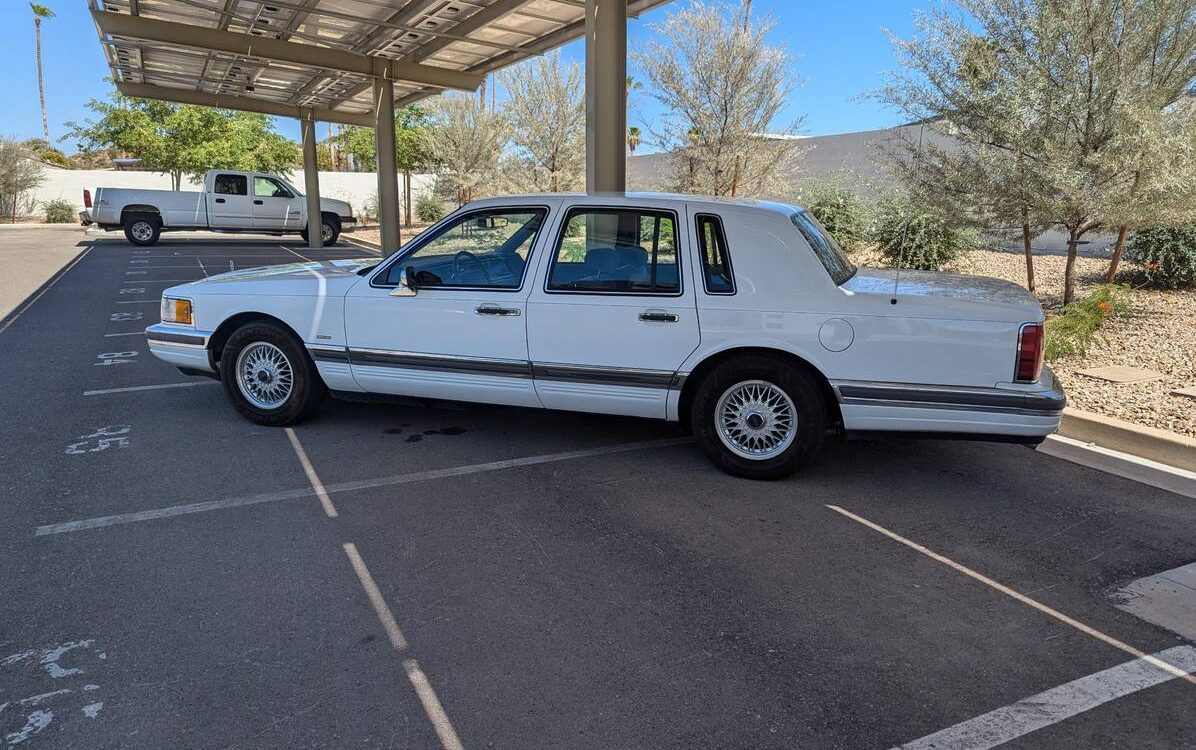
{"x":759,"y":417}
{"x":268,"y":375}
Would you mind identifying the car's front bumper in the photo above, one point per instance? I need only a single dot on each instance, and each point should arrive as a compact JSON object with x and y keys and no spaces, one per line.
{"x":185,"y":348}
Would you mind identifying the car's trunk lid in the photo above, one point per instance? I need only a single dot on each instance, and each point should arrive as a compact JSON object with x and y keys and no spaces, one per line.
{"x":915,"y":286}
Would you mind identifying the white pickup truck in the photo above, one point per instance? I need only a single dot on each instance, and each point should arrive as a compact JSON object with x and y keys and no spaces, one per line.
{"x":230,"y":202}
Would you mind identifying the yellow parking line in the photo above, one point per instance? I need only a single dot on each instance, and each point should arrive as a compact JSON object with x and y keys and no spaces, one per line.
{"x":316,"y":485}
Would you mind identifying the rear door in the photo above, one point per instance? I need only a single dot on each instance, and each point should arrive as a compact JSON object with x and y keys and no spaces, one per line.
{"x":613,"y":316}
{"x":230,"y":206}
{"x":275,"y":206}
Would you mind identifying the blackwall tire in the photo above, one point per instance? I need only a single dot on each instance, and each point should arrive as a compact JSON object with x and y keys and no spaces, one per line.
{"x":268,"y":376}
{"x":142,"y":230}
{"x":759,"y":417}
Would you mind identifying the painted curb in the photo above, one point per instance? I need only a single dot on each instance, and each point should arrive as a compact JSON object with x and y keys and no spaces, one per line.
{"x":1136,"y":440}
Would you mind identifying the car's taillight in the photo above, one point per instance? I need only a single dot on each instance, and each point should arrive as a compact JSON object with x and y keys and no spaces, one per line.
{"x":1029,"y":353}
{"x":86,"y":198}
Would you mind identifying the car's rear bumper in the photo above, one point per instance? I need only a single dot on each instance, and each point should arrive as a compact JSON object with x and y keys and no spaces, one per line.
{"x":1022,"y":414}
{"x":185,"y":348}
{"x":348,"y":223}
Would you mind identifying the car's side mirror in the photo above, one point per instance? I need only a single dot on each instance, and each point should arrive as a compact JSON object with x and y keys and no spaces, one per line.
{"x":407,"y":284}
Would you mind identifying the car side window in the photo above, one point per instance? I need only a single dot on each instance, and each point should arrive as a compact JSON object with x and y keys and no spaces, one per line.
{"x":231,"y":184}
{"x":716,"y":262}
{"x":486,"y":249}
{"x":267,"y":187}
{"x":617,"y":251}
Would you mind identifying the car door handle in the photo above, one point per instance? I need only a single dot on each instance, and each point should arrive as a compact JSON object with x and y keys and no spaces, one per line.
{"x":492,"y":309}
{"x":259,"y":203}
{"x":658,"y":316}
{"x":220,"y":200}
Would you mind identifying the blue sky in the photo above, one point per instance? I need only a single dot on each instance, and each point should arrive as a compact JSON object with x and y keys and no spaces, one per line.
{"x":841,"y":48}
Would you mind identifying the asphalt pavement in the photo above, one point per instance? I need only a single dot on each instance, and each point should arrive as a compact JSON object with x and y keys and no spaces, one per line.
{"x":411,"y":576}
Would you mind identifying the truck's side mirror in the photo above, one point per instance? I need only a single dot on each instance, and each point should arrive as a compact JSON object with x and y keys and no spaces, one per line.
{"x":407,"y":284}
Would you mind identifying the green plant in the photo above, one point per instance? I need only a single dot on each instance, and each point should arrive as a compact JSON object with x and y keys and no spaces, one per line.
{"x":60,"y":211}
{"x":429,"y":208}
{"x":839,"y":210}
{"x":916,"y":238}
{"x":1167,"y":253}
{"x":1073,"y":330}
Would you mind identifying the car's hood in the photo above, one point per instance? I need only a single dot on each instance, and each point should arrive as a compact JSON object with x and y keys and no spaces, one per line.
{"x":324,"y":277}
{"x":338,"y":207}
{"x":940,"y":290}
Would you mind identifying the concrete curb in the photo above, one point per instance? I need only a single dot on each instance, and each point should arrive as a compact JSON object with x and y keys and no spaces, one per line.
{"x":362,"y":243}
{"x":1144,"y":442}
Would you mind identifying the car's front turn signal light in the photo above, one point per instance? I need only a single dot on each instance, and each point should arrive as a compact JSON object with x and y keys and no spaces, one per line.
{"x":176,"y":311}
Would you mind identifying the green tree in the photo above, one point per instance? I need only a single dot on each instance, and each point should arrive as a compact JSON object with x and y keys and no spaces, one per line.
{"x":40,"y":12}
{"x":183,"y":139}
{"x":466,"y":141}
{"x":546,"y":110}
{"x":1072,"y":113}
{"x":411,"y":148}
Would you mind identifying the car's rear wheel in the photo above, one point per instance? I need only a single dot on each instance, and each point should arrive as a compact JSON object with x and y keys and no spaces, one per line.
{"x":330,"y":232}
{"x":759,"y":417}
{"x":268,"y":375}
{"x":142,"y":229}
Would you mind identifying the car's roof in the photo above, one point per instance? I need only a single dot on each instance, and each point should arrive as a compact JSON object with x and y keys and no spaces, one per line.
{"x":638,"y":198}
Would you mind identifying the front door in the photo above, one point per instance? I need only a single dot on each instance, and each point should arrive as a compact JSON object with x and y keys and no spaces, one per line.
{"x":230,"y":206}
{"x":614,"y":318}
{"x":462,"y":334}
{"x":275,"y":206}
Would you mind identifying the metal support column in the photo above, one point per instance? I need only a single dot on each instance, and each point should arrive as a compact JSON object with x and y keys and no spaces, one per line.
{"x":311,"y":182}
{"x":606,"y":96}
{"x":388,"y":173}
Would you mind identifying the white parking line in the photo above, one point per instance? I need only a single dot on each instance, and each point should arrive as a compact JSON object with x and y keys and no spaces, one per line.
{"x":45,"y":289}
{"x":362,"y":484}
{"x":138,"y":302}
{"x":1052,"y":706}
{"x":158,"y":281}
{"x":135,"y":388}
{"x":423,"y":688}
{"x":310,"y":471}
{"x":129,"y":333}
{"x":1085,"y":629}
{"x":292,"y":252}
{"x":205,"y":271}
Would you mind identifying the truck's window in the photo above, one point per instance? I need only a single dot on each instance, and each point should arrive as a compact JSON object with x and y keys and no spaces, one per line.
{"x":617,"y":251}
{"x":712,"y":243}
{"x":231,"y":184}
{"x":484,"y":249}
{"x":268,"y":187}
{"x":824,"y":246}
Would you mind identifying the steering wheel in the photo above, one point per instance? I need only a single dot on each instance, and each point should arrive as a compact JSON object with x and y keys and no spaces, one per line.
{"x":457,"y":267}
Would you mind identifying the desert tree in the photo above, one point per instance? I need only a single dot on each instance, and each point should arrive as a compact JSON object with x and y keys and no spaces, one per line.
{"x":466,"y":140}
{"x":546,"y":111}
{"x":19,"y":173}
{"x":722,"y":86}
{"x":1065,"y":113}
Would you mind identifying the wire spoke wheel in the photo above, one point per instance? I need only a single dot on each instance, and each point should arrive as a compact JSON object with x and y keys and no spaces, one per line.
{"x":264,"y":375}
{"x":756,"y":420}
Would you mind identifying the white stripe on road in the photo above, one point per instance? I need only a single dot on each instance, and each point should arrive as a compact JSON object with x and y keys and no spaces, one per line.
{"x":158,"y":281}
{"x":130,"y":333}
{"x":423,"y":688}
{"x":1056,"y":614}
{"x":292,"y":252}
{"x":363,"y":484}
{"x":138,"y":302}
{"x":45,"y":289}
{"x":135,"y":388}
{"x":1052,"y":706}
{"x":312,"y":477}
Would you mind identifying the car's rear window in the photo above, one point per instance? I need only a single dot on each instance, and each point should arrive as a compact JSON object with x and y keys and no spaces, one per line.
{"x":824,"y":246}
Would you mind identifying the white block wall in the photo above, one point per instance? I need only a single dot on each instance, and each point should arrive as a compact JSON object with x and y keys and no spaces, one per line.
{"x":354,"y":187}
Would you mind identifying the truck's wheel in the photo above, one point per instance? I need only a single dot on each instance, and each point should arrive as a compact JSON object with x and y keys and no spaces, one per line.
{"x":268,"y":375}
{"x":759,"y":417}
{"x":142,"y":229}
{"x":330,"y":231}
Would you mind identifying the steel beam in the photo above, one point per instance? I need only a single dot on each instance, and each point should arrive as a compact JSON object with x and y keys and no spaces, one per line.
{"x":388,"y":172}
{"x":311,"y":184}
{"x":242,"y":103}
{"x":606,"y":96}
{"x":168,"y":32}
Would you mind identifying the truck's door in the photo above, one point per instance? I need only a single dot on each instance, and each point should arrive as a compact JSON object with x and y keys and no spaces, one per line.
{"x":275,"y":206}
{"x":229,"y":204}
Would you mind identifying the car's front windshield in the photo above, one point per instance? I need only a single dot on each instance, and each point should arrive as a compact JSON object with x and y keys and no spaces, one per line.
{"x":828,"y":252}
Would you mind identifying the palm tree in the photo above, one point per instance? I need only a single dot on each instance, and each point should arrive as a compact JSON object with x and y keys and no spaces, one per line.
{"x":633,"y":138}
{"x":40,"y":12}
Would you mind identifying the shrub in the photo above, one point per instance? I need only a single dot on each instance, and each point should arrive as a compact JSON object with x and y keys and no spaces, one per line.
{"x":369,"y":209}
{"x":1073,"y":330}
{"x":429,"y":208}
{"x":917,"y":238}
{"x":1167,"y":253}
{"x":51,"y":155}
{"x":60,"y":211}
{"x":840,"y":211}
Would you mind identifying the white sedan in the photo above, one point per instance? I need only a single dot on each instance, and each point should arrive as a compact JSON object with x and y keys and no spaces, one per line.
{"x":743,"y":320}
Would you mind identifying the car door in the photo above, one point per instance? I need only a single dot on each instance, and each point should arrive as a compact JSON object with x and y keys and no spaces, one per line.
{"x":274,"y":205}
{"x":230,"y":206}
{"x":613,"y":318}
{"x":459,"y":333}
